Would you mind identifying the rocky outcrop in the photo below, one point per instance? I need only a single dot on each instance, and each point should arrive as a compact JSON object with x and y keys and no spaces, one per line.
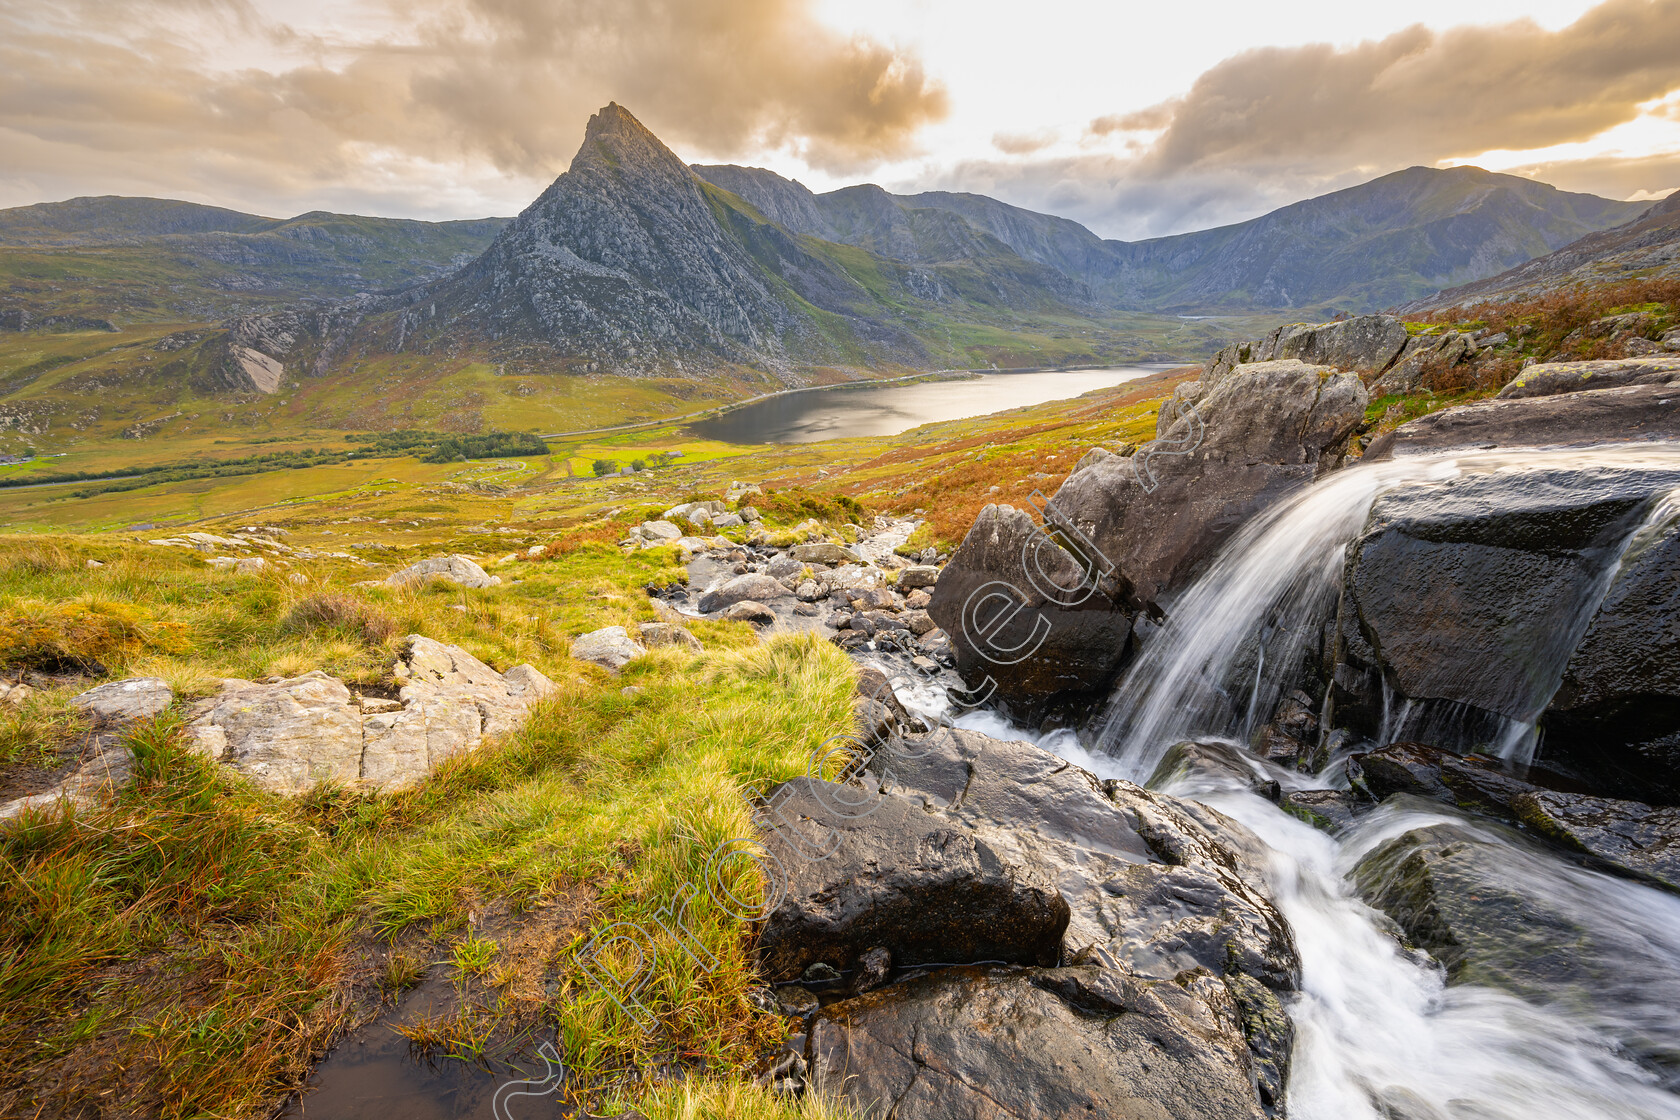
{"x":956,"y":849}
{"x":456,"y":569}
{"x":1367,"y":344}
{"x":289,"y":735}
{"x":1050,"y":1043}
{"x":1423,"y":355}
{"x":1630,"y":414}
{"x":1469,"y":599}
{"x":1551,"y":378}
{"x":1253,"y":435}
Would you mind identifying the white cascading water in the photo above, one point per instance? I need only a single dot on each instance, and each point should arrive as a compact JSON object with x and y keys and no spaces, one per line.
{"x":1380,"y":1036}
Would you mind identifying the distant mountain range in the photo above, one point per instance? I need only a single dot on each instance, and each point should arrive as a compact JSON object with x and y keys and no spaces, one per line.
{"x":1361,"y":249}
{"x":150,"y":258}
{"x":635,"y":261}
{"x":1645,"y":247}
{"x":634,"y":265}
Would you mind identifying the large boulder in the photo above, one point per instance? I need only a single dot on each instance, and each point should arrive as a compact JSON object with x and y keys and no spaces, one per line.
{"x":456,"y":569}
{"x":1257,"y":434}
{"x":957,"y":848}
{"x":1627,"y":414}
{"x":974,"y":1043}
{"x":756,"y":586}
{"x":1551,"y":378}
{"x":1474,"y":605}
{"x":1019,"y":629}
{"x":908,"y":881}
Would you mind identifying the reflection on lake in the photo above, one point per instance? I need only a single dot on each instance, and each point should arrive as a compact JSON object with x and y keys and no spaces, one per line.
{"x":883,"y":410}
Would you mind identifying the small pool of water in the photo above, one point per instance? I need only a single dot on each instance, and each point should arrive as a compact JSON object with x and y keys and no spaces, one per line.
{"x":848,"y":411}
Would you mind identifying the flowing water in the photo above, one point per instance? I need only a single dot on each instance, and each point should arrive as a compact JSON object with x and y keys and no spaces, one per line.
{"x":1380,"y":1033}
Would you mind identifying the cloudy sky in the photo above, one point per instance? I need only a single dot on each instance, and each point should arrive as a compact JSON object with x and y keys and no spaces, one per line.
{"x":1136,"y":118}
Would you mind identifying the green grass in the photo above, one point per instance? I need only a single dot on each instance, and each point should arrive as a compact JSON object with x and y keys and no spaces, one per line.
{"x":194,"y":924}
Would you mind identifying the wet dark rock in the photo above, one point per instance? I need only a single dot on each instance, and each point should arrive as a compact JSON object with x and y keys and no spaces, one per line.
{"x":1627,"y":836}
{"x":1127,"y":860}
{"x":1253,"y":435}
{"x":1472,"y":782}
{"x":1616,"y":714}
{"x":874,"y":966}
{"x":906,"y":880}
{"x":1211,"y":759}
{"x":1496,"y":913}
{"x":975,"y":1043}
{"x":1330,"y":810}
{"x":955,"y":848}
{"x":1468,"y":596}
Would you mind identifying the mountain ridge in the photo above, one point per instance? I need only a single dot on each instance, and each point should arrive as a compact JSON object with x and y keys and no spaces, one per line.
{"x":1333,"y":250}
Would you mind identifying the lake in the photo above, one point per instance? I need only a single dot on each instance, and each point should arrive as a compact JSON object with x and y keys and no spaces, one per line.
{"x":846,"y":411}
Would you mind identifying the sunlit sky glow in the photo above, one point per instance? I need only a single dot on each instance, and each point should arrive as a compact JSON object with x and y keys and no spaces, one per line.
{"x":1137,"y":119}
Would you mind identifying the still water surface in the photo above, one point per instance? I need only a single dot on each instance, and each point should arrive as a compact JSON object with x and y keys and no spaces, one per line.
{"x":848,"y":411}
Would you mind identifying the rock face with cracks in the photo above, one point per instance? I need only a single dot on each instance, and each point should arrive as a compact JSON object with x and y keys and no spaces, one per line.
{"x":1122,"y":942}
{"x":289,"y":735}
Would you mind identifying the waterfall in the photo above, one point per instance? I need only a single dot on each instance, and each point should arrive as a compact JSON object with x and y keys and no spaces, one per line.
{"x":1235,"y":640}
{"x":1380,"y":1034}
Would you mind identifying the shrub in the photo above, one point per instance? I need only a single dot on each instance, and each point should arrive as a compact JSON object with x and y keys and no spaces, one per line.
{"x":605,"y":467}
{"x":352,"y":617}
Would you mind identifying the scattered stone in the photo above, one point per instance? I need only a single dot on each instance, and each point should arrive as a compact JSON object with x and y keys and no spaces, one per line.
{"x":918,"y":599}
{"x":824,"y":553}
{"x":667,"y":634}
{"x":747,"y":610}
{"x":611,"y":647}
{"x":125,"y":701}
{"x":249,"y":565}
{"x":918,"y":622}
{"x":95,"y":564}
{"x":806,"y":610}
{"x":808,"y":591}
{"x":918,"y":576}
{"x":455,"y":569}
